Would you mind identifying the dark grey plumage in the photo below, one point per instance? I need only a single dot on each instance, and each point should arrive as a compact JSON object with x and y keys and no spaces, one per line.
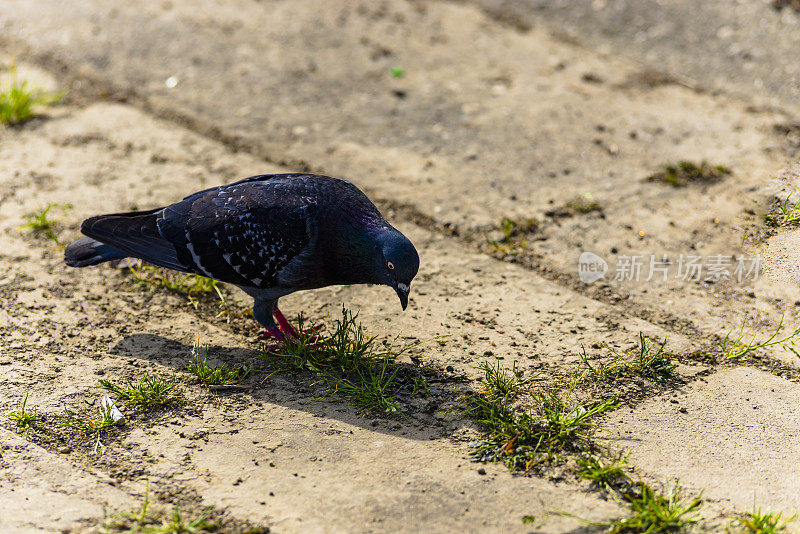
{"x":271,"y":235}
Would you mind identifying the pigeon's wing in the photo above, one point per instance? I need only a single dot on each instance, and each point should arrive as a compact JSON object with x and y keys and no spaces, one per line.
{"x":244,"y":233}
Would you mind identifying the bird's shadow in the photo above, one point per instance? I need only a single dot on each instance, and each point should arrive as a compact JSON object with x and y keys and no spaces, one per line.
{"x":297,"y":391}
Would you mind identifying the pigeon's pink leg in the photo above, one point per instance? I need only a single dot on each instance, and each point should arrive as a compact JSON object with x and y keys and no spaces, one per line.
{"x":284,"y":325}
{"x":291,"y":332}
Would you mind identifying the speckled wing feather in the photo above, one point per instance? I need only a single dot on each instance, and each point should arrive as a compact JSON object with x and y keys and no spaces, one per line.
{"x":243,"y":233}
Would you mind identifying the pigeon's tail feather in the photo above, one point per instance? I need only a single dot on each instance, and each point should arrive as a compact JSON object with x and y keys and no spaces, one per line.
{"x":134,"y":234}
{"x":87,"y":251}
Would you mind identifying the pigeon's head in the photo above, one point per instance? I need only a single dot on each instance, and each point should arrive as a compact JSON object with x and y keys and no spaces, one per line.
{"x":399,"y":262}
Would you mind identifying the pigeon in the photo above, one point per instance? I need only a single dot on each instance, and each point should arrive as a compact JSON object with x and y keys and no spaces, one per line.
{"x":270,"y":234}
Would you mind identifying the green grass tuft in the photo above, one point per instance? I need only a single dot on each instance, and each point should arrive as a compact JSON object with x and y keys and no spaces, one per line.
{"x":24,"y":417}
{"x":790,"y":211}
{"x":758,"y":522}
{"x":189,"y":285}
{"x":90,"y":426}
{"x":182,"y":283}
{"x":602,"y":471}
{"x":353,"y":365}
{"x":584,"y":204}
{"x":144,"y":519}
{"x":734,"y":347}
{"x":373,"y":387}
{"x":514,"y":240}
{"x":685,"y":173}
{"x":652,"y":511}
{"x":214,"y":376}
{"x":18,"y":101}
{"x":524,"y":438}
{"x":151,"y":391}
{"x":504,"y":382}
{"x":648,"y":360}
{"x":40,"y":225}
{"x":87,"y":424}
{"x":525,"y":426}
{"x":397,"y":72}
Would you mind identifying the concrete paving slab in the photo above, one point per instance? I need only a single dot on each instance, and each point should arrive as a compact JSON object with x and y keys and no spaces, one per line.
{"x":329,"y":475}
{"x":741,"y":47}
{"x":734,"y":434}
{"x":43,"y":492}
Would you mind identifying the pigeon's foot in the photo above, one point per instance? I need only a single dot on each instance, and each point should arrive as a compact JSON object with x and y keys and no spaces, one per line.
{"x":312,"y":334}
{"x":280,"y":337}
{"x":286,"y":334}
{"x":273,"y":333}
{"x":313,"y":329}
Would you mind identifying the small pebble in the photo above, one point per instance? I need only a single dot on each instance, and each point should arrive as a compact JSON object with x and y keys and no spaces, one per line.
{"x":481,"y":471}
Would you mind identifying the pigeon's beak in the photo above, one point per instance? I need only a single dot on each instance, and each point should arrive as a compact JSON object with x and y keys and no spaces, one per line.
{"x":402,"y":292}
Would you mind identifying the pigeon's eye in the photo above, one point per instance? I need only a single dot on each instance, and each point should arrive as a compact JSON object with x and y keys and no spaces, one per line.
{"x":390,"y":265}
